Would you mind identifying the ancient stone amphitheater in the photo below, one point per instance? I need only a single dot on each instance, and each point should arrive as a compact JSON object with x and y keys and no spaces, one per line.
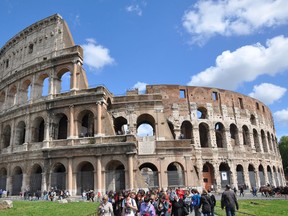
{"x":88,"y":138}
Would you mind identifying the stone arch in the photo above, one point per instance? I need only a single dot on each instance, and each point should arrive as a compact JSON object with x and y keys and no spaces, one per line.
{"x":85,"y":177}
{"x":58,"y":177}
{"x":256,"y":140}
{"x":246,"y":136}
{"x":60,"y":126}
{"x":63,"y":83}
{"x":270,"y":176}
{"x":208,"y":175}
{"x":115,"y":176}
{"x":3,"y":178}
{"x":120,"y":125}
{"x":202,"y":113}
{"x":20,"y":133}
{"x":25,"y":91}
{"x":11,"y":96}
{"x":175,"y":175}
{"x":225,"y":172}
{"x":146,"y":125}
{"x":38,"y":129}
{"x":264,"y":142}
{"x":86,"y":123}
{"x":6,"y":136}
{"x":253,"y":119}
{"x":186,"y":130}
{"x":240,"y":176}
{"x":204,"y":135}
{"x":36,"y":178}
{"x":220,"y":135}
{"x":252,"y":175}
{"x":261,"y":175}
{"x":279,"y":177}
{"x":149,"y":175}
{"x":269,"y":141}
{"x":234,"y":135}
{"x":275,"y":176}
{"x":2,"y":99}
{"x":17,"y":178}
{"x":171,"y":127}
{"x":41,"y":88}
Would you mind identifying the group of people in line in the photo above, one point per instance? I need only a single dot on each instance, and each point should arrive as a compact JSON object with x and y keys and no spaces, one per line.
{"x":166,"y":203}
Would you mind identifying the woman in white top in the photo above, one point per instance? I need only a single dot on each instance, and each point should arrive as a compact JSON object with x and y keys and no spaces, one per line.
{"x":129,"y":206}
{"x":105,"y":208}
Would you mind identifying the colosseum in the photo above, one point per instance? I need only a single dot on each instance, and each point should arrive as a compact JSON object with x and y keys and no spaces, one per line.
{"x":88,"y":138}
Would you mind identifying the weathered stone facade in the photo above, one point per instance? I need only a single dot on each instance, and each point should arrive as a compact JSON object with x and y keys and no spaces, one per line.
{"x":86,"y":138}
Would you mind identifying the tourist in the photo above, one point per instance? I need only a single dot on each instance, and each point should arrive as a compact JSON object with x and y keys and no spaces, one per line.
{"x":229,"y":201}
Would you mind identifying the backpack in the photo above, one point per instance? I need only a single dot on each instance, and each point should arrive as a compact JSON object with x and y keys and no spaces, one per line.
{"x":196,"y":200}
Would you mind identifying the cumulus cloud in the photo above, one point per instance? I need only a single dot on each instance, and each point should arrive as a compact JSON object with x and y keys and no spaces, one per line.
{"x":134,"y":8}
{"x":267,"y":92}
{"x":281,"y":116}
{"x":208,"y":18}
{"x":96,"y":56}
{"x":140,"y":86}
{"x":245,"y":64}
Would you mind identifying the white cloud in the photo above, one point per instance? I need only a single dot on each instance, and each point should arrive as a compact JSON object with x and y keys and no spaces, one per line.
{"x":140,"y":86}
{"x":208,"y":18}
{"x":245,"y":64}
{"x":134,"y":8}
{"x":96,"y":56}
{"x":267,"y":92}
{"x":281,"y":116}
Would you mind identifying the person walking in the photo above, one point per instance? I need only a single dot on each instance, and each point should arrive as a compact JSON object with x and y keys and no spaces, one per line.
{"x":241,"y":192}
{"x":205,"y":203}
{"x":229,"y":201}
{"x":105,"y":208}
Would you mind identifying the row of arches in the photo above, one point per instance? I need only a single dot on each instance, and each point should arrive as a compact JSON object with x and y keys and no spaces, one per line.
{"x":149,"y":177}
{"x":24,"y":90}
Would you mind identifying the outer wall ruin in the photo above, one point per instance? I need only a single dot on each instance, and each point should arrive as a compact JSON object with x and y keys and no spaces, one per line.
{"x":87,"y":138}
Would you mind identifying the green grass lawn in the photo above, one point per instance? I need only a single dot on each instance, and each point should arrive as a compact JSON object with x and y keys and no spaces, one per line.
{"x":47,"y":208}
{"x":258,"y":207}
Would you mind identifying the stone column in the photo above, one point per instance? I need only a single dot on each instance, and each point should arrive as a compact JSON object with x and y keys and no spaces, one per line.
{"x":217,"y":176}
{"x":25,"y":182}
{"x":70,"y":177}
{"x":99,"y":175}
{"x":99,"y":114}
{"x":246,"y":175}
{"x":71,"y":122}
{"x":12,"y":137}
{"x":233,"y":175}
{"x":74,"y":76}
{"x":43,"y":183}
{"x":162,"y":173}
{"x":130,"y":170}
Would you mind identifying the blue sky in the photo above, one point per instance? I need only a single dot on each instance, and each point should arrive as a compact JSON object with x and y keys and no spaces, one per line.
{"x":240,"y":45}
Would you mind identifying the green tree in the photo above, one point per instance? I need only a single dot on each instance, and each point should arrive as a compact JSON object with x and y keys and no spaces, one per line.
{"x":283,"y":148}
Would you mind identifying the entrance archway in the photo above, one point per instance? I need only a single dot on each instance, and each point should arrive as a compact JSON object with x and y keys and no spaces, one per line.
{"x":85,"y":177}
{"x":115,"y":176}
{"x":175,"y":174}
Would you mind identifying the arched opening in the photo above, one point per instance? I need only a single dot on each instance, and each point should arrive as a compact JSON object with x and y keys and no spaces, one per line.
{"x":175,"y":173}
{"x":252,"y":175}
{"x":279,"y":177}
{"x":86,"y":126}
{"x":60,"y":126}
{"x":270,"y":177}
{"x":256,"y":140}
{"x":246,"y":136}
{"x":275,"y":176}
{"x":220,"y":135}
{"x":115,"y":176}
{"x":3,"y":178}
{"x":234,"y":135}
{"x":224,"y":170}
{"x":58,"y":177}
{"x":6,"y":136}
{"x":240,"y":176}
{"x":2,"y":99}
{"x":145,"y":125}
{"x":25,"y":93}
{"x":171,"y":127}
{"x":36,"y":179}
{"x":204,"y":135}
{"x":252,"y":119}
{"x":202,"y":113}
{"x":63,"y":84}
{"x":45,"y":86}
{"x":20,"y":133}
{"x":208,"y":176}
{"x":264,"y":143}
{"x":261,"y":175}
{"x":85,"y":177}
{"x":120,"y":125}
{"x":149,"y":176}
{"x":38,"y":128}
{"x":17,"y":178}
{"x":11,"y":97}
{"x":269,"y":141}
{"x":186,"y":130}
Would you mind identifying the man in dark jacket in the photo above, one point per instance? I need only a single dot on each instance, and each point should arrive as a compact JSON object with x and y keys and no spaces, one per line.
{"x":229,"y":201}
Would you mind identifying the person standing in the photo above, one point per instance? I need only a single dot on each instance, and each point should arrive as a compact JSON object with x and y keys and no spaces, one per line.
{"x":105,"y":208}
{"x":129,"y":206}
{"x":147,"y":208}
{"x":213,"y":200}
{"x":178,"y":206}
{"x":241,"y":191}
{"x":196,"y":202}
{"x":229,"y":201}
{"x":205,"y":203}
